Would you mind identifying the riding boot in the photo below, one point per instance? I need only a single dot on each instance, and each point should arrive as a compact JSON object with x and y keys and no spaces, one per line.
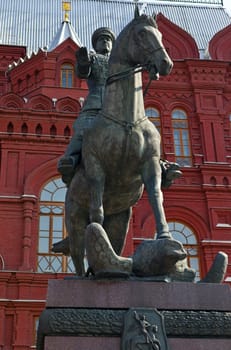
{"x":66,"y":167}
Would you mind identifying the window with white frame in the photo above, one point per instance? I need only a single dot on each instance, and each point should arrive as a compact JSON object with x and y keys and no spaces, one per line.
{"x":181,"y":138}
{"x":67,"y":75}
{"x":52,"y":228}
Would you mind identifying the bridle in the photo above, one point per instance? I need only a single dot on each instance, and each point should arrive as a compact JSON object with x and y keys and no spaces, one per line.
{"x":128,"y":126}
{"x":132,"y":71}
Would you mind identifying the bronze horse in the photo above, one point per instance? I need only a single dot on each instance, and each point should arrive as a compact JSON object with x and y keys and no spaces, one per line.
{"x":121,"y":153}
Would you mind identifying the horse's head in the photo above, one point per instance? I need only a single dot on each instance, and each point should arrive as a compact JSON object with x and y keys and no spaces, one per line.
{"x":149,"y":49}
{"x":143,"y":45}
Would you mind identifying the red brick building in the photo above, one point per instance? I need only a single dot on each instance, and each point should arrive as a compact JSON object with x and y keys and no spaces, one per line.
{"x":40,"y":98}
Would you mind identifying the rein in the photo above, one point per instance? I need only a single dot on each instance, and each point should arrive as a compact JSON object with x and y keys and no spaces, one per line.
{"x":127,"y":73}
{"x":124,"y":74}
{"x":127,"y":125}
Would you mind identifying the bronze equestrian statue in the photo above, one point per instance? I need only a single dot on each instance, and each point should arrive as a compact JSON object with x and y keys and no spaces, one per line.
{"x":122,"y":152}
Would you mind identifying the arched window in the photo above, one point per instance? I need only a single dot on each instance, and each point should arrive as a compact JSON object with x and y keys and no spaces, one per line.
{"x":39,"y":130}
{"x":181,"y":138}
{"x":67,"y":75}
{"x":53,"y":130}
{"x":24,"y":129}
{"x":52,"y":229}
{"x":10,"y":128}
{"x":186,"y":236}
{"x":154,"y":116}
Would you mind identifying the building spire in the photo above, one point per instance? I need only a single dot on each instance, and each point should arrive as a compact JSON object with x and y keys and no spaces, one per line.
{"x":66,"y":9}
{"x":66,"y":29}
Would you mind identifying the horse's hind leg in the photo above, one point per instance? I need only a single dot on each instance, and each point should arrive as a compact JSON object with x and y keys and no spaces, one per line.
{"x":151,"y":174}
{"x":116,"y":227}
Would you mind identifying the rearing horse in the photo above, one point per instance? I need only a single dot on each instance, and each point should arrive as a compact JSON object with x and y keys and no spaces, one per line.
{"x":121,"y":153}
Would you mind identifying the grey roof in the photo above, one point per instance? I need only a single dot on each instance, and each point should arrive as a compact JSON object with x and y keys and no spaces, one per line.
{"x":65,"y":31}
{"x":34,"y":23}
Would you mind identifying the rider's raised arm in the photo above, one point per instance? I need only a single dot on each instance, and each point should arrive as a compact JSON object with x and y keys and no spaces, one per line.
{"x":83,"y":63}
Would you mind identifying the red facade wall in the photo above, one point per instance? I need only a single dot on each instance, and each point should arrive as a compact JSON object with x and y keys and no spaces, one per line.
{"x":200,"y":198}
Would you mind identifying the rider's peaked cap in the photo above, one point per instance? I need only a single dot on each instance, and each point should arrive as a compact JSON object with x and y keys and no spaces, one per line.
{"x":102,"y":31}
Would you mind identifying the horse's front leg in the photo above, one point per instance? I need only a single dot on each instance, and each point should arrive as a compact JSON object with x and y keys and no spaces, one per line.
{"x":151,"y":175}
{"x":76,"y":220}
{"x":95,"y":179}
{"x":96,"y":212}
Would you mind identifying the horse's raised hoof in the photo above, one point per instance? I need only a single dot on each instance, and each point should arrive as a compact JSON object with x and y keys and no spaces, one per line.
{"x":102,"y":259}
{"x":170,"y":172}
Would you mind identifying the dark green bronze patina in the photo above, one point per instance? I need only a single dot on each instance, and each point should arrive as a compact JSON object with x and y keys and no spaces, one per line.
{"x":122,"y":152}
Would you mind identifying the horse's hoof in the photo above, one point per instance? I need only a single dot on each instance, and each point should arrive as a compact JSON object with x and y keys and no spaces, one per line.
{"x":170,"y":172}
{"x":101,"y":257}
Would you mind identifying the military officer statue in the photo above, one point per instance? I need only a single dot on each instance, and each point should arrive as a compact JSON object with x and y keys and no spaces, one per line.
{"x":94,"y":68}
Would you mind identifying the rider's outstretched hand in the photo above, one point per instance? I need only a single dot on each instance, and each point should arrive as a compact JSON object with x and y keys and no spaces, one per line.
{"x":82,"y":56}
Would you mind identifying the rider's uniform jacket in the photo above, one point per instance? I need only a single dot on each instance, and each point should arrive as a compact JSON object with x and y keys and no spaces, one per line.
{"x":96,"y":79}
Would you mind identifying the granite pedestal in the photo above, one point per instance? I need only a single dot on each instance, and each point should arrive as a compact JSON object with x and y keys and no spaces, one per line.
{"x":86,"y":314}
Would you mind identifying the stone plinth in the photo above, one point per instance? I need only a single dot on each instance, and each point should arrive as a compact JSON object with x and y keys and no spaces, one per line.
{"x":84,"y":314}
{"x":103,"y":343}
{"x":126,"y":294}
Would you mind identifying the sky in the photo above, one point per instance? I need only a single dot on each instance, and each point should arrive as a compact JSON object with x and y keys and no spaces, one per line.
{"x":227,"y":4}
